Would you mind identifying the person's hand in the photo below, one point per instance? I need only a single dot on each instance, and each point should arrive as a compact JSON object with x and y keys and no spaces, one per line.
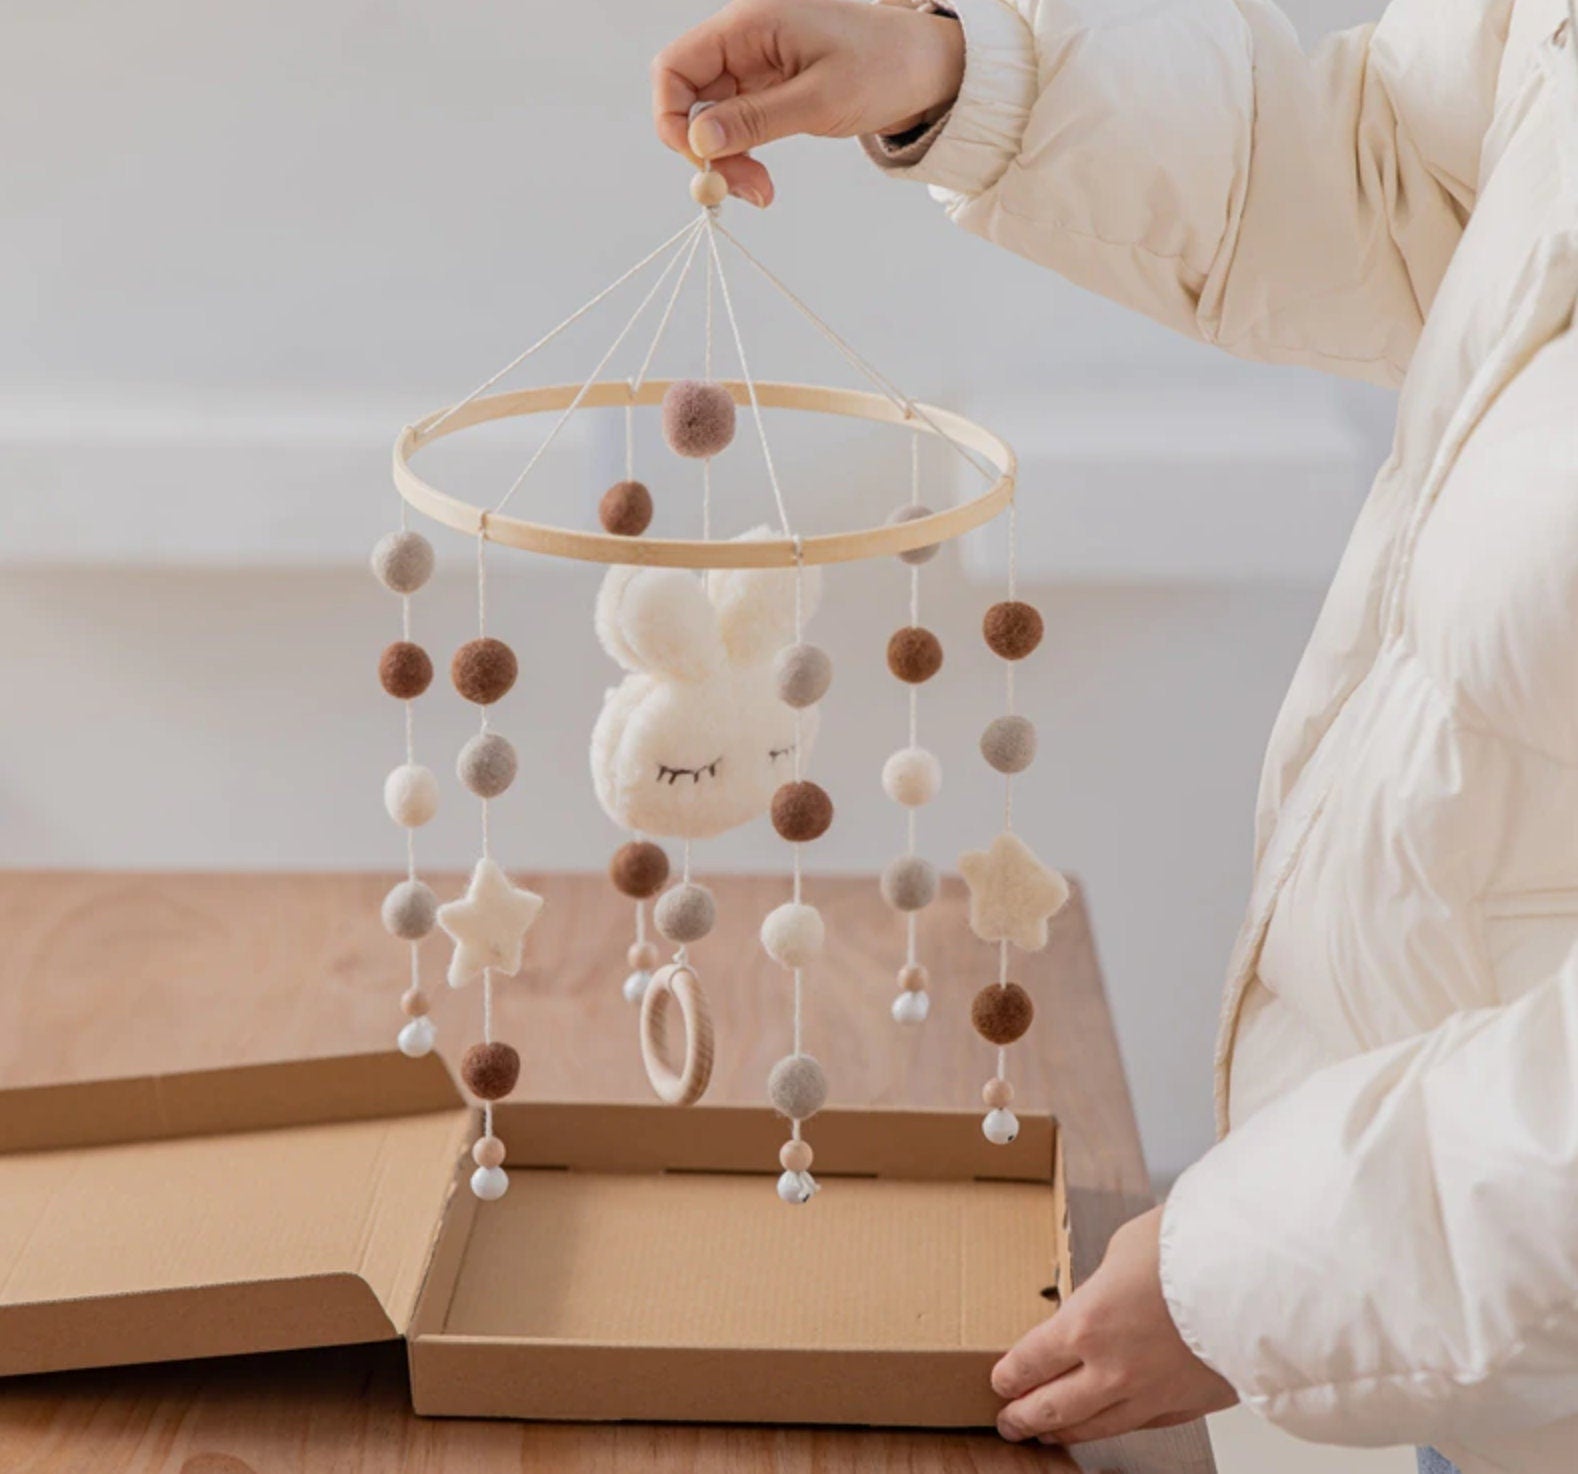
{"x":1110,"y":1360}
{"x":834,"y":68}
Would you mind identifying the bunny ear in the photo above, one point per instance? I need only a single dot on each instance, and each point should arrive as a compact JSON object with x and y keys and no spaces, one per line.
{"x":756,"y":605}
{"x":658,"y":620}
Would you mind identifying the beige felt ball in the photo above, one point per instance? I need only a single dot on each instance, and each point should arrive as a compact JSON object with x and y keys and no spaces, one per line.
{"x":793,"y":934}
{"x":913,"y":512}
{"x":686,"y":913}
{"x":410,"y":911}
{"x":403,"y":561}
{"x":909,"y":883}
{"x":912,"y":777}
{"x":411,"y":795}
{"x":698,"y":418}
{"x":490,"y":1070}
{"x":803,"y":673}
{"x":1009,"y":743}
{"x":801,"y":812}
{"x":487,"y":764}
{"x":797,"y":1087}
{"x":483,"y":670}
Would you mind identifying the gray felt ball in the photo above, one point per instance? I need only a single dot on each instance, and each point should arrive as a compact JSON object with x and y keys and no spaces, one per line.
{"x":403,"y":561}
{"x":1009,"y":744}
{"x":698,"y":418}
{"x":487,"y":765}
{"x":685,"y":914}
{"x":803,"y":673}
{"x":797,"y":1087}
{"x":410,"y":911}
{"x":912,"y":512}
{"x":909,"y":883}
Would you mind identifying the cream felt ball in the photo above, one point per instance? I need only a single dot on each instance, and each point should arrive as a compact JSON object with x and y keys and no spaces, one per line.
{"x":685,"y":914}
{"x":487,"y":764}
{"x":410,"y":911}
{"x":797,"y":1087}
{"x":403,"y":561}
{"x":698,"y":418}
{"x":793,"y":935}
{"x":411,"y":795}
{"x":912,"y":777}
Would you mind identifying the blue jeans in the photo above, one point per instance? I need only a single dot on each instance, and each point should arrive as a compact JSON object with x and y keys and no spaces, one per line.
{"x":1430,"y":1462}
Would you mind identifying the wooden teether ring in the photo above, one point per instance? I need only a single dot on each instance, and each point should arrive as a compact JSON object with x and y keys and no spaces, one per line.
{"x":688,"y":1084}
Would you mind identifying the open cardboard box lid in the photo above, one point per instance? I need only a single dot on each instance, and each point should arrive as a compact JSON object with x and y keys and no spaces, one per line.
{"x":640,"y":1267}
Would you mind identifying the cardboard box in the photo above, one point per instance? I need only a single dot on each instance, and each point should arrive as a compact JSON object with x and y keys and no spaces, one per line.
{"x":641,"y":1266}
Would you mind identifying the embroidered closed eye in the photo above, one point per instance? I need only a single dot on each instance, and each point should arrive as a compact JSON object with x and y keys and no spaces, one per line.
{"x":774,"y":753}
{"x":671,"y":776}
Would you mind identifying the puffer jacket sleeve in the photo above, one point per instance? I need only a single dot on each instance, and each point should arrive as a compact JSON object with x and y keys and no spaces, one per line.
{"x":1389,"y":1253}
{"x":1185,"y":158}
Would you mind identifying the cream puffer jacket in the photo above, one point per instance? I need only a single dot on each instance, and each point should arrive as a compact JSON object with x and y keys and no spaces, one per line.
{"x":1384,"y":1246}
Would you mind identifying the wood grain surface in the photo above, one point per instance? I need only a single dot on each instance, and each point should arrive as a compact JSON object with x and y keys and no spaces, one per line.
{"x":119,"y":974}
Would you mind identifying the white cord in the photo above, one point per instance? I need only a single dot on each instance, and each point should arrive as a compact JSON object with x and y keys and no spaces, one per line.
{"x":668,"y":312}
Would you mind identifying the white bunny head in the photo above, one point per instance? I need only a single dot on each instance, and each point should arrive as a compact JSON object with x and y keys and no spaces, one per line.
{"x":695,"y":740}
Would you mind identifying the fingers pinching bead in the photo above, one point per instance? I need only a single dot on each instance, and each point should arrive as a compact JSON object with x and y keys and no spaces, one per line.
{"x":793,"y":934}
{"x":803,"y":673}
{"x":403,"y":561}
{"x":914,"y":654}
{"x":411,"y":795}
{"x":909,"y":883}
{"x":417,"y":1037}
{"x":405,"y":670}
{"x":802,"y":811}
{"x":1000,"y":1127}
{"x":698,"y":418}
{"x":1002,"y":1012}
{"x":410,"y":911}
{"x":1009,"y":744}
{"x":490,"y":1183}
{"x":490,"y":1070}
{"x":626,"y":509}
{"x":912,"y":776}
{"x":483,"y":670}
{"x":1012,"y":628}
{"x":685,"y":914}
{"x":639,"y":869}
{"x":913,"y":512}
{"x":797,"y":1087}
{"x":911,"y":1008}
{"x":487,"y":765}
{"x":709,"y":188}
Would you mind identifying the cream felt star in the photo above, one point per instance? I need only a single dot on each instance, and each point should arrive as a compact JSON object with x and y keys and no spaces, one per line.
{"x":488,"y":923}
{"x":1012,"y":894}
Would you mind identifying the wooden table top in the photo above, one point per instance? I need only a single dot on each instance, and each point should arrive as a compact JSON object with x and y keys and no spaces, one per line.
{"x":126,"y":974}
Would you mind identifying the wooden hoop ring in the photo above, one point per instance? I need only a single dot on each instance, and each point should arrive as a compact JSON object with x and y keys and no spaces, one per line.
{"x":602,"y":547}
{"x":687,"y":1085}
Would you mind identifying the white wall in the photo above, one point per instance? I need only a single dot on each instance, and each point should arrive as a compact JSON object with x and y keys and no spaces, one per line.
{"x":243,"y":245}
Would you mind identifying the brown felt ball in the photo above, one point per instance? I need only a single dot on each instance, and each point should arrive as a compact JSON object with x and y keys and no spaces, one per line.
{"x":483,"y":670}
{"x":490,"y":1070}
{"x":914,"y":654}
{"x":1013,"y":628}
{"x":698,"y":418}
{"x":405,"y":670}
{"x":1001,"y":1012}
{"x":802,"y":811}
{"x":626,"y":509}
{"x":639,"y":869}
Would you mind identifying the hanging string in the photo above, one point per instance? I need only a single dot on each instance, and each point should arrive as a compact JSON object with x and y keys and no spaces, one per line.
{"x":668,"y":312}
{"x":706,"y":465}
{"x":630,"y":442}
{"x":1008,"y":665}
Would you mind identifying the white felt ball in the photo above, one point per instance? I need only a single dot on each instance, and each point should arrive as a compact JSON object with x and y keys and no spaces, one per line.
{"x":417,"y":1038}
{"x":912,"y":776}
{"x":403,"y":561}
{"x":1000,"y":1127}
{"x":636,"y":985}
{"x":795,"y":1187}
{"x":911,"y":1008}
{"x":490,"y":1183}
{"x":487,"y":764}
{"x":793,"y":934}
{"x":411,"y":795}
{"x":410,"y":911}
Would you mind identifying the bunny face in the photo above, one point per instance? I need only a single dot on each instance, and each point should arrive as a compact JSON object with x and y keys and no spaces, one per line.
{"x":695,"y":740}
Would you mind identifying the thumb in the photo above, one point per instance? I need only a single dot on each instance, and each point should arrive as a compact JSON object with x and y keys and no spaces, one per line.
{"x":751,"y":119}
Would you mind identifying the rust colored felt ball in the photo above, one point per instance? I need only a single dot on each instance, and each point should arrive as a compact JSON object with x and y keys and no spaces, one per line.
{"x":1013,"y":628}
{"x":1001,"y":1012}
{"x":639,"y":869}
{"x":483,"y":670}
{"x":405,"y":670}
{"x":914,"y":654}
{"x":626,"y":509}
{"x":490,"y":1070}
{"x":802,"y":811}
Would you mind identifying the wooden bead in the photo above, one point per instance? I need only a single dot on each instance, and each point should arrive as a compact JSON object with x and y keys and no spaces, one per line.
{"x":488,"y":1152}
{"x":413,"y":1003}
{"x":405,"y":670}
{"x":914,"y":654}
{"x":1001,"y":1012}
{"x":997,"y":1095}
{"x":490,"y":1070}
{"x":643,"y":956}
{"x":914,"y":978}
{"x":709,"y":188}
{"x":626,"y":509}
{"x":638,"y":869}
{"x":1013,"y":628}
{"x":484,"y":670}
{"x":795,"y":1156}
{"x":802,"y":812}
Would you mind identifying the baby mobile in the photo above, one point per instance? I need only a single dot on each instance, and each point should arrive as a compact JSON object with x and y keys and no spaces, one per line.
{"x":714,"y":721}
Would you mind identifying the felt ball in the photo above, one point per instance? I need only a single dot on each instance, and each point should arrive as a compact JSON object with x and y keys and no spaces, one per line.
{"x":1013,"y":628}
{"x":411,"y":795}
{"x":1009,"y":744}
{"x":803,"y":673}
{"x":626,"y":509}
{"x":913,"y":978}
{"x":643,"y":956}
{"x":490,"y":1070}
{"x":403,"y":561}
{"x":413,"y":1003}
{"x":709,"y":188}
{"x":1001,"y":1012}
{"x":488,"y":1152}
{"x":914,"y":654}
{"x":638,"y":869}
{"x":909,"y":883}
{"x":698,"y":418}
{"x":913,"y":512}
{"x":487,"y":764}
{"x":686,"y":913}
{"x":1000,"y":1127}
{"x":997,"y":1094}
{"x":911,"y":1008}
{"x":796,"y":1156}
{"x":490,"y":1183}
{"x":912,"y":777}
{"x":634,"y":988}
{"x":802,"y":811}
{"x":417,"y":1038}
{"x":405,"y":670}
{"x":410,"y":911}
{"x":797,"y":1087}
{"x":793,"y":934}
{"x":483,"y":670}
{"x":795,"y":1187}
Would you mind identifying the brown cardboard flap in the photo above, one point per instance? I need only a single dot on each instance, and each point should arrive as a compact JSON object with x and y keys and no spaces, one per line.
{"x":220,"y":1212}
